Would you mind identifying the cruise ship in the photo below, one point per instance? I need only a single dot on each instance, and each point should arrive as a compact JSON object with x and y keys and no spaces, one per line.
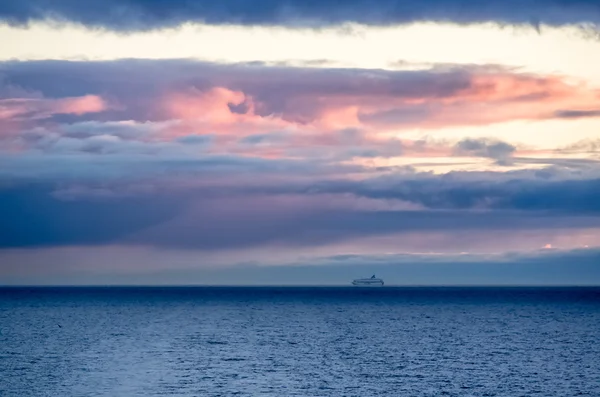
{"x":368,"y":282}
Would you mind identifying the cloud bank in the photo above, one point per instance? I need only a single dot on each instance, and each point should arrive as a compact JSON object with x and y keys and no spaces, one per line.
{"x":197,"y":155}
{"x":131,"y":15}
{"x":246,"y":164}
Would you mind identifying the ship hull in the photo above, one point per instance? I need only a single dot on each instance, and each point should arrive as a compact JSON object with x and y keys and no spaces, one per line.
{"x":369,"y":283}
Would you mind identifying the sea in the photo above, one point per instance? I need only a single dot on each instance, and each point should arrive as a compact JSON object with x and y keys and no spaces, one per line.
{"x":299,"y":341}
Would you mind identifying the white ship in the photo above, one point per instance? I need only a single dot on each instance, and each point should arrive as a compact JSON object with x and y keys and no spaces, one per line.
{"x":368,"y":282}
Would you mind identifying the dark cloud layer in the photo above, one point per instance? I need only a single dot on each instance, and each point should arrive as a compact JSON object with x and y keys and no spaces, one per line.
{"x":32,"y":216}
{"x":458,"y":191}
{"x":127,"y":15}
{"x":237,"y":217}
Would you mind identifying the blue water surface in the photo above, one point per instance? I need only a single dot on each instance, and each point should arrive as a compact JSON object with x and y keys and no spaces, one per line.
{"x":269,"y":341}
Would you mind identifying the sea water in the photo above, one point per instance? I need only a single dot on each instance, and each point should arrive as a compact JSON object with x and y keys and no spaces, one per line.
{"x":269,"y":341}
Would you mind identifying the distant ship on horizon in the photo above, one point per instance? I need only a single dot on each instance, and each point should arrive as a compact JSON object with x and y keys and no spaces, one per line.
{"x":368,"y":282}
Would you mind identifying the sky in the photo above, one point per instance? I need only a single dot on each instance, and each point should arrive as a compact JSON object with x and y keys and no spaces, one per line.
{"x":431,"y":142}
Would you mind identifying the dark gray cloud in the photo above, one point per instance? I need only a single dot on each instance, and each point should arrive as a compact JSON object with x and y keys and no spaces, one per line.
{"x":446,"y":192}
{"x":500,"y":151}
{"x":72,"y":78}
{"x":32,"y":216}
{"x":236,"y":216}
{"x":128,"y":15}
{"x":96,"y":160}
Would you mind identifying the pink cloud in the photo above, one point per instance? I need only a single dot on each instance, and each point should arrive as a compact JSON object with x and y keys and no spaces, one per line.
{"x":488,"y":97}
{"x":80,"y":105}
{"x":311,"y":121}
{"x":41,"y":108}
{"x":212,"y":105}
{"x":204,"y":112}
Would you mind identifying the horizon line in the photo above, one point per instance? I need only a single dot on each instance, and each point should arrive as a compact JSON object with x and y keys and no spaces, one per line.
{"x":7,"y":286}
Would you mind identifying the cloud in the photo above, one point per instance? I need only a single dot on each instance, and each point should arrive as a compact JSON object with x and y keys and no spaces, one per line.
{"x":450,"y":192}
{"x":150,"y":14}
{"x":334,"y":118}
{"x":585,"y":146}
{"x":238,"y":156}
{"x":230,"y":213}
{"x":502,"y":152}
{"x":52,"y":221}
{"x":574,"y":114}
{"x":247,"y":99}
{"x":30,"y":108}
